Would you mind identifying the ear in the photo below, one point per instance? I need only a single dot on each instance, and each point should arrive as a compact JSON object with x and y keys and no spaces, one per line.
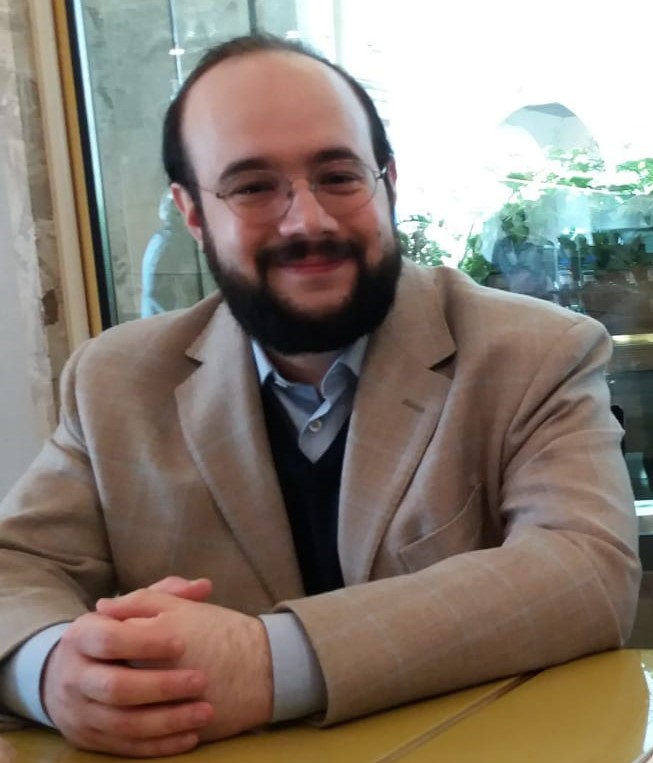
{"x":391,"y":175}
{"x":392,"y":171}
{"x":189,"y":211}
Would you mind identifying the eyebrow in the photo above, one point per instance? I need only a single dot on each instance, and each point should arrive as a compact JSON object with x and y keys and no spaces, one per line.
{"x":333,"y":154}
{"x":243,"y":165}
{"x":260,"y":163}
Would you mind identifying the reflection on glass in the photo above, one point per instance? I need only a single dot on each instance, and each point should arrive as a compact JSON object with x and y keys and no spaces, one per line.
{"x":524,"y":262}
{"x":137,"y":53}
{"x":174,"y":273}
{"x":570,"y":234}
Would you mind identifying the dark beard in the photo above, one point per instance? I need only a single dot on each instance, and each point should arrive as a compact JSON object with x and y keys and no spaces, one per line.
{"x":284,"y":328}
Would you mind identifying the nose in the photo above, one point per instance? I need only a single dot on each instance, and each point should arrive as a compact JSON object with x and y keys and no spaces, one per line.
{"x":306,"y":216}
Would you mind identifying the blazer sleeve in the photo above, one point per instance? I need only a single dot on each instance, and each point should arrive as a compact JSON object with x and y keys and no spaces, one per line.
{"x":562,"y":582}
{"x":54,"y":556}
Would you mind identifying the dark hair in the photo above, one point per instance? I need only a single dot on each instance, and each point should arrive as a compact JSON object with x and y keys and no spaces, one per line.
{"x":175,"y":158}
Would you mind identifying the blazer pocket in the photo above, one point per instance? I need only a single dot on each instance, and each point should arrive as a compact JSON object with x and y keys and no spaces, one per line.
{"x":460,"y":534}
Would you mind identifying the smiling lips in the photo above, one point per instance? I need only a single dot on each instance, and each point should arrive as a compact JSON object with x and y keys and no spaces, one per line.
{"x":314,"y":263}
{"x":304,"y":257}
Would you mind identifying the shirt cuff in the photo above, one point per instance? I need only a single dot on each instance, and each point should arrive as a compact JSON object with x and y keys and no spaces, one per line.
{"x":20,"y":675}
{"x":299,"y":687}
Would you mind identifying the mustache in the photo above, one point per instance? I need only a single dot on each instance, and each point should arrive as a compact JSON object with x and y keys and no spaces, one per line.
{"x":330,"y":249}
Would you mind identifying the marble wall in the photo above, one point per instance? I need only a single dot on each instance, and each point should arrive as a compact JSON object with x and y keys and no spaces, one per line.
{"x":34,"y":340}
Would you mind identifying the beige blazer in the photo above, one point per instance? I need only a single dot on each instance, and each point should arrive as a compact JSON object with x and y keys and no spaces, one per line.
{"x":486,"y":521}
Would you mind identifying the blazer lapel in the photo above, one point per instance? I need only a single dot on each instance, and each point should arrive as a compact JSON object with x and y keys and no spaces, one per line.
{"x":396,"y":410}
{"x":222,"y":419}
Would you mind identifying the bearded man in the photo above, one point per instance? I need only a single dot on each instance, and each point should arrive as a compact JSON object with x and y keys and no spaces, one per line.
{"x":341,"y":484}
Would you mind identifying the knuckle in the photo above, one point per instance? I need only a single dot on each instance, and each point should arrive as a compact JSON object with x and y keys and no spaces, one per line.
{"x":172,"y":685}
{"x":69,"y":682}
{"x":71,"y":635}
{"x":105,"y":644}
{"x":108,"y":687}
{"x":82,"y":622}
{"x":140,"y":595}
{"x":152,"y":647}
{"x":93,"y":635}
{"x":125,"y":726}
{"x":167,"y":582}
{"x":175,"y":722}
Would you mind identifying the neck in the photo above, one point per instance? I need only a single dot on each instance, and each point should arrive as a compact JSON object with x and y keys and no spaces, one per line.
{"x":307,"y":368}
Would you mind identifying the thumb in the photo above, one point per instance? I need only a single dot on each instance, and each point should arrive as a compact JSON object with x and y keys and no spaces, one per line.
{"x":140,"y":603}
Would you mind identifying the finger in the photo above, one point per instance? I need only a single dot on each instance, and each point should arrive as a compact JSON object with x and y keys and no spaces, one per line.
{"x":124,"y":686}
{"x":175,"y":744}
{"x":141,"y":603}
{"x":103,"y":638}
{"x":147,"y":723}
{"x":194,"y":590}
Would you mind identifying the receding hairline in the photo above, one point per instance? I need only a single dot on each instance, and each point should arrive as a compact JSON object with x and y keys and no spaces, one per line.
{"x":279,"y":53}
{"x":310,"y":63}
{"x":174,"y":153}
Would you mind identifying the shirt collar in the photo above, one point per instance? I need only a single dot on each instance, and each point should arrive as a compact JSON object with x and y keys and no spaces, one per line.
{"x":351,"y":357}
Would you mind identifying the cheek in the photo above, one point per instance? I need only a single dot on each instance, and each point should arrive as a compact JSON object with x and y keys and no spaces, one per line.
{"x":236,"y":243}
{"x":380,"y":235}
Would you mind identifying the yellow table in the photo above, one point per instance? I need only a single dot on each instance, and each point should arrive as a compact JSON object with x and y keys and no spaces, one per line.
{"x":594,"y":710}
{"x":368,"y":740}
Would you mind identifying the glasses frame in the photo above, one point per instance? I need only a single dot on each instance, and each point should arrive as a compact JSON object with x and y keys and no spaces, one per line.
{"x":377,"y":175}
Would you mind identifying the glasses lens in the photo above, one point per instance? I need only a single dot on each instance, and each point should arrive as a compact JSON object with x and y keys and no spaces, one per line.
{"x":344,"y":186}
{"x":260,"y":196}
{"x":256,"y":195}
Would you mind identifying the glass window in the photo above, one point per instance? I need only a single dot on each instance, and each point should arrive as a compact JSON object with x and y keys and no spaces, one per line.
{"x":524,"y":142}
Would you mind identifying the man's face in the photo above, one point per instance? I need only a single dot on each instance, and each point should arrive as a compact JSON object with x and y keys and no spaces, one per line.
{"x":307,"y":269}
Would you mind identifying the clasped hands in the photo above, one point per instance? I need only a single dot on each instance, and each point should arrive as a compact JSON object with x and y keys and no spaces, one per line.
{"x":156,"y":671}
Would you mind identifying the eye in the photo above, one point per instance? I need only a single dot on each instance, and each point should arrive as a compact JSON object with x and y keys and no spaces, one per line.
{"x":341,"y":179}
{"x":252,"y":187}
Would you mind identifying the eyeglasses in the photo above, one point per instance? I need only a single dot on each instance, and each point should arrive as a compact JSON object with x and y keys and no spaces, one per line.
{"x":261,"y":196}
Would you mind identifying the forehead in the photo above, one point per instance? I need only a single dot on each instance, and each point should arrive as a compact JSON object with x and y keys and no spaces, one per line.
{"x":283,"y":108}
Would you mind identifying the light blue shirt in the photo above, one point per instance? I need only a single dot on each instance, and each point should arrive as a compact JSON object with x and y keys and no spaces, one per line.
{"x":318,"y":415}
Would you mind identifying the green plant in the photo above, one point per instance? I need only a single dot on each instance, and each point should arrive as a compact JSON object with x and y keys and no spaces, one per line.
{"x":535,"y":197}
{"x":417,"y":245}
{"x":473,"y":262}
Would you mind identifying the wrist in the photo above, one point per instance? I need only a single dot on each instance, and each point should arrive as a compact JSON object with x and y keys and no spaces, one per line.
{"x":239,"y":667}
{"x":262,"y":671}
